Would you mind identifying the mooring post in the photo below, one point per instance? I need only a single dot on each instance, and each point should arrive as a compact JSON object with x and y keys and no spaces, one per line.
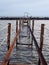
{"x":22,"y":22}
{"x":16,"y":31}
{"x":19,"y":28}
{"x":8,"y":37}
{"x":27,"y":26}
{"x":41,"y":39}
{"x":9,"y":33}
{"x":28,"y":29}
{"x":33,"y":26}
{"x":16,"y":26}
{"x":32,"y":30}
{"x":28,"y":22}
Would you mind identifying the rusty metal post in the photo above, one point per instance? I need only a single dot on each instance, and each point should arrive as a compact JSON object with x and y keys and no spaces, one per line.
{"x":16,"y":31}
{"x":19,"y":28}
{"x":41,"y":36}
{"x":9,"y":33}
{"x":32,"y":30}
{"x":41,"y":39}
{"x":8,"y":37}
{"x":16,"y":26}
{"x":21,"y":24}
{"x":33,"y":26}
{"x":28,"y":22}
{"x":28,"y":29}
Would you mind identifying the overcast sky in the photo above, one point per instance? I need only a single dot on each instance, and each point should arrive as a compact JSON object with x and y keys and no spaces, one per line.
{"x":19,"y":7}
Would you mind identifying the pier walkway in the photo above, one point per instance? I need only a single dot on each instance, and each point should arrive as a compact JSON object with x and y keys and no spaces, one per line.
{"x":23,"y":52}
{"x":21,"y":49}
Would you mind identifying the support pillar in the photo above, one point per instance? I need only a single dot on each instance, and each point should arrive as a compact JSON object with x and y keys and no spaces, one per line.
{"x":32,"y":30}
{"x":8,"y":37}
{"x":41,"y":40}
{"x":16,"y":31}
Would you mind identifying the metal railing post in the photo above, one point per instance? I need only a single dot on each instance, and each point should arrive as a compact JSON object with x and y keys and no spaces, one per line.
{"x":41,"y":39}
{"x":32,"y":29}
{"x":16,"y":31}
{"x":8,"y":37}
{"x":28,"y":29}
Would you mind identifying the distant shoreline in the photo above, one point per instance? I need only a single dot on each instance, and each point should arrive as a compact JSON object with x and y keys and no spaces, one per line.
{"x":30,"y":18}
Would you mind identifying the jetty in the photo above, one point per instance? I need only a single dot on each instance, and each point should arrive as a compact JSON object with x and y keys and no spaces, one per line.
{"x":20,"y":50}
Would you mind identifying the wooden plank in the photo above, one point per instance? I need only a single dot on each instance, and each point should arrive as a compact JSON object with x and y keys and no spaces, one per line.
{"x":23,"y":44}
{"x":23,"y":36}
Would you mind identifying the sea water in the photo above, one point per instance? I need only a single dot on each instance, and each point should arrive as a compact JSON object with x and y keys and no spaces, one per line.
{"x":37,"y":30}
